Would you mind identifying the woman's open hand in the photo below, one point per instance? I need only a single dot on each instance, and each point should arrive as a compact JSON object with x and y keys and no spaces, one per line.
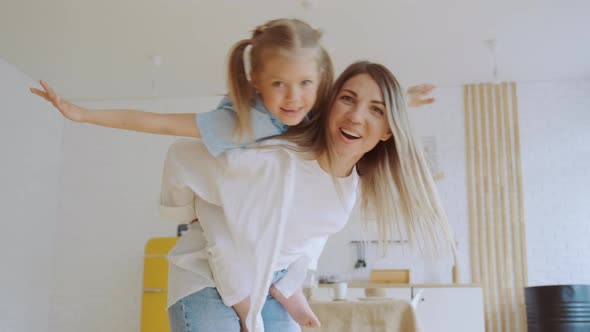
{"x":418,"y":95}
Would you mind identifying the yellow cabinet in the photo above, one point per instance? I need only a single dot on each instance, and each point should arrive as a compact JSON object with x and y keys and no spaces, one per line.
{"x":154,"y":317}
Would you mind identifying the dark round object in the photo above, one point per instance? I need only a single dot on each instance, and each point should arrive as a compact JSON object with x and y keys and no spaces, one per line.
{"x":558,"y":308}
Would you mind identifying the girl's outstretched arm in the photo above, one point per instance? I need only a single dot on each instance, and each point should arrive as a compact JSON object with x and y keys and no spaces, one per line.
{"x":180,"y":124}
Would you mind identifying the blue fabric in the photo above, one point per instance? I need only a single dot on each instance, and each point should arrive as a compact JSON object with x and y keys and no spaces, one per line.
{"x":217,"y":126}
{"x":204,"y":311}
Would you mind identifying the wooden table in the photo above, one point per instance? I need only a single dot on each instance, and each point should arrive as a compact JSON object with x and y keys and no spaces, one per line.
{"x":365,"y":316}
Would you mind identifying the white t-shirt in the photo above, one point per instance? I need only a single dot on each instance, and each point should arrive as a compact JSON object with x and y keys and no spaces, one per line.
{"x":278,"y":208}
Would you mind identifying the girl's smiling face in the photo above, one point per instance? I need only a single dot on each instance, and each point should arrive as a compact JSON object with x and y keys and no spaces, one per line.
{"x":288,"y":85}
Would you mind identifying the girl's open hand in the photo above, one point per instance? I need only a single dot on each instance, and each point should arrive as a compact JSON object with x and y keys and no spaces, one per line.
{"x":67,"y":109}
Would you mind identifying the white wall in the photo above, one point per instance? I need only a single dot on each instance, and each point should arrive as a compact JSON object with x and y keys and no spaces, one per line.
{"x":555,"y":140}
{"x":109,"y":209}
{"x":435,"y":41}
{"x":30,"y":147}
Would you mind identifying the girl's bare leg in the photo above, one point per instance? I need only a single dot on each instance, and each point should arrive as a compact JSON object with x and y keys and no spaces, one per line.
{"x":241,"y":308}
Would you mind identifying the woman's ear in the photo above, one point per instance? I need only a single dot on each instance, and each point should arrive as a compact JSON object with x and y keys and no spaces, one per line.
{"x":386,"y":136}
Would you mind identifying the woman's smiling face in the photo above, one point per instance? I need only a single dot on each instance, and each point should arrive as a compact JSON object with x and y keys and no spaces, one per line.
{"x":358,"y":118}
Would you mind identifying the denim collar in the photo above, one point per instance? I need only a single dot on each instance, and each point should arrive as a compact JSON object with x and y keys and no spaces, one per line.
{"x":259,"y":106}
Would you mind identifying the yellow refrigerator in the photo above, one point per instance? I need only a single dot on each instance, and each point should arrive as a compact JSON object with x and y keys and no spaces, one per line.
{"x":154,"y":317}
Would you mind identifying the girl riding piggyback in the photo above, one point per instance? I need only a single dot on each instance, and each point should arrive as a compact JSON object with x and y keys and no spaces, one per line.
{"x":290,"y":73}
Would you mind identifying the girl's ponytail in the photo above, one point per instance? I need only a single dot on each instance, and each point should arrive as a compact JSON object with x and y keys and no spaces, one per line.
{"x":240,"y":88}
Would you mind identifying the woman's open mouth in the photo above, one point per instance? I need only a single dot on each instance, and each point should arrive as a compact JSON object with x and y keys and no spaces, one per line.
{"x":351,"y":135}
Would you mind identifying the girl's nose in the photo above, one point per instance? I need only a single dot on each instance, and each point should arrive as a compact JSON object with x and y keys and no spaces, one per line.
{"x":293,"y":93}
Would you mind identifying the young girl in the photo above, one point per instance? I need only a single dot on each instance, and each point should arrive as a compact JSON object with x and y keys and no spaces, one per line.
{"x":290,"y":75}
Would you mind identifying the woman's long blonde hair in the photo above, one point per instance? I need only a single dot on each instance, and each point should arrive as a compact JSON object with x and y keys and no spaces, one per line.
{"x":276,"y":37}
{"x":396,"y":184}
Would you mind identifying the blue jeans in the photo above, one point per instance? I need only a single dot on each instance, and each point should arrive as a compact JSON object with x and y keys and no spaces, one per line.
{"x":204,"y":311}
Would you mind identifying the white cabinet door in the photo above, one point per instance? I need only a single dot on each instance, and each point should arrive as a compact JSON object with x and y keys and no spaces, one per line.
{"x":453,"y":309}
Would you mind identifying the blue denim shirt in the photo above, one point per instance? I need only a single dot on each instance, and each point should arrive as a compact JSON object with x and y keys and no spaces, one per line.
{"x":217,"y":126}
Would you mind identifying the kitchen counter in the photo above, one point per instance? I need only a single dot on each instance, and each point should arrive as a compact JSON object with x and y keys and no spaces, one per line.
{"x":366,"y":284}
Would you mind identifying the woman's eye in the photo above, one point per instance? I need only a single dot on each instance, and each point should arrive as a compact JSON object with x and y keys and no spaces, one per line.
{"x":378,"y":110}
{"x":278,"y":84}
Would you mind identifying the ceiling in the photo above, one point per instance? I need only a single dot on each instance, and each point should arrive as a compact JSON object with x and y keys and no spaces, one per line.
{"x":103,"y":49}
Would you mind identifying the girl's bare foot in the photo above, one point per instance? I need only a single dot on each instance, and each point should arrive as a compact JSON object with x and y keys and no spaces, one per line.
{"x":297,"y":307}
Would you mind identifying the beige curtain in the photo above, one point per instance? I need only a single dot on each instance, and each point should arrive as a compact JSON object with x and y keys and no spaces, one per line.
{"x":496,"y":217}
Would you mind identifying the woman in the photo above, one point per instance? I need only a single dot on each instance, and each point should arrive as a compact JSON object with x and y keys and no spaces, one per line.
{"x":280,"y":202}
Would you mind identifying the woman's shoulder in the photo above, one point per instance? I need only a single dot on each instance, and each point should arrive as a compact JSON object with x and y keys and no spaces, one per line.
{"x":186,"y":148}
{"x":269,"y":156}
{"x":267,"y":147}
{"x":277,"y":143}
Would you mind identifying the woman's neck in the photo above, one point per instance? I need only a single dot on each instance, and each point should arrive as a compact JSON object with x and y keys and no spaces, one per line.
{"x":341,"y":167}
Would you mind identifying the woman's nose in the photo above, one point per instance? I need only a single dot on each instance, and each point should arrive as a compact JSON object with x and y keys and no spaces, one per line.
{"x":356,"y":114}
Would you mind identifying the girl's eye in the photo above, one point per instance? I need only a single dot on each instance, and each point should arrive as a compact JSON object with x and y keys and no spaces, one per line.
{"x":346,"y":99}
{"x":306,"y":83}
{"x":278,"y":84}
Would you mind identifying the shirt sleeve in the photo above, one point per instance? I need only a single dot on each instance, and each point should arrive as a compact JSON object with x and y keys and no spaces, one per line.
{"x":189,"y":171}
{"x":315,"y":251}
{"x":217,"y":128}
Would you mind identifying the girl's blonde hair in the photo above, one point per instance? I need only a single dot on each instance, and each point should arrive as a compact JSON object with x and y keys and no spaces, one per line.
{"x":396,"y":183}
{"x":275,"y":37}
